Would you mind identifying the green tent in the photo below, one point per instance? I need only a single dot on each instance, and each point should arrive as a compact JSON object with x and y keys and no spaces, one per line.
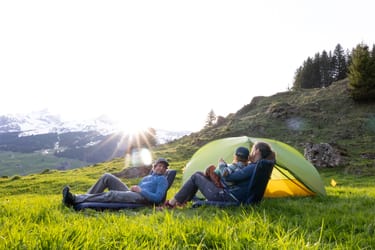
{"x":292,"y":175}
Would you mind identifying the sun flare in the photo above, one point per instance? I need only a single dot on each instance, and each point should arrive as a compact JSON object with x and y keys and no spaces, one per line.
{"x":137,"y":136}
{"x":141,"y":157}
{"x":130,"y":127}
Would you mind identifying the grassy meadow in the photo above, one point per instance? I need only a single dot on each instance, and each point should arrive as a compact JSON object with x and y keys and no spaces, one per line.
{"x":32,"y":217}
{"x":12,"y":163}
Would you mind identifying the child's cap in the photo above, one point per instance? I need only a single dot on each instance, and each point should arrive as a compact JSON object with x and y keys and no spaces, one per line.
{"x":242,"y":152}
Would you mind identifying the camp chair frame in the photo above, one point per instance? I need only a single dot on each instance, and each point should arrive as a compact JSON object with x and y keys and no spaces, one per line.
{"x":257,"y":187}
{"x":100,"y":206}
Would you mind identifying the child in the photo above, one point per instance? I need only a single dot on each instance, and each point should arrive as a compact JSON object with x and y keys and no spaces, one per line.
{"x":241,"y":158}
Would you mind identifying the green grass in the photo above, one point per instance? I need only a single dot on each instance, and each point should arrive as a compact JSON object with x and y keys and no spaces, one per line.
{"x":32,"y":217}
{"x":12,"y":163}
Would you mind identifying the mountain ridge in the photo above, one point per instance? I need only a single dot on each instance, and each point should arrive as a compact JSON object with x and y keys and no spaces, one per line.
{"x":70,"y":144}
{"x":321,"y":115}
{"x":45,"y":122}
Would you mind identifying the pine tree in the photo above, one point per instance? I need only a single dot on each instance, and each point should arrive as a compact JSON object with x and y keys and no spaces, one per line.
{"x":211,"y":118}
{"x":307,"y":74}
{"x":340,"y":68}
{"x":325,"y":77}
{"x":297,"y":84}
{"x":322,"y":70}
{"x":315,"y":81}
{"x":362,"y":74}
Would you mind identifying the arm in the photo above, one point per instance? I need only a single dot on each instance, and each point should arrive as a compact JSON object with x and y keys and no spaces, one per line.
{"x":241,"y":174}
{"x":222,"y":165}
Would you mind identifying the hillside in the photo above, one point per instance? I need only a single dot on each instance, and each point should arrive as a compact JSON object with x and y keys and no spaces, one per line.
{"x":326,"y":115}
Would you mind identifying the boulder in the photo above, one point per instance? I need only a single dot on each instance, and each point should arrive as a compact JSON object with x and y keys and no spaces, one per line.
{"x":323,"y":155}
{"x":134,"y":172}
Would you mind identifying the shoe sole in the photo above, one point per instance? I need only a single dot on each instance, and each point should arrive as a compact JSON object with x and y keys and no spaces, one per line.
{"x":65,"y":196}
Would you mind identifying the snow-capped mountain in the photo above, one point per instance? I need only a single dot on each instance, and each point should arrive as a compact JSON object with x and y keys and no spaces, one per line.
{"x":43,"y":122}
{"x":68,"y":144}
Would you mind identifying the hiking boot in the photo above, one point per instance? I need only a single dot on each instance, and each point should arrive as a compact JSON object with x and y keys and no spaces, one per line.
{"x":68,"y":197}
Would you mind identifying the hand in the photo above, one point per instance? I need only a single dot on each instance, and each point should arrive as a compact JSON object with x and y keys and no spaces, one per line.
{"x":136,"y":189}
{"x":251,"y":158}
{"x":225,"y":173}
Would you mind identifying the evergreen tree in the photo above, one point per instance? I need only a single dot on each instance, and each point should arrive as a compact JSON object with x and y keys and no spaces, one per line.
{"x":308,"y":76}
{"x":323,"y":69}
{"x":297,"y":84}
{"x":340,"y":67}
{"x":325,"y":76}
{"x":211,"y":118}
{"x":315,"y":81}
{"x":307,"y":73}
{"x":332,"y":63}
{"x":362,"y":74}
{"x":348,"y":60}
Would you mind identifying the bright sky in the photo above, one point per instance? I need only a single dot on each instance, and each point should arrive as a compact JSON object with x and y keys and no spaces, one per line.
{"x":164,"y":64}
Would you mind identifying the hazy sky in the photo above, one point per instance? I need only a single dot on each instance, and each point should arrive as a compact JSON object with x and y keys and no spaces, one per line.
{"x":164,"y":64}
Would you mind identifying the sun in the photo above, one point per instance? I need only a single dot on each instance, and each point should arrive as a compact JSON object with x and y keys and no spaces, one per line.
{"x":130,"y":128}
{"x":136,"y":133}
{"x":131,"y":122}
{"x":138,"y":141}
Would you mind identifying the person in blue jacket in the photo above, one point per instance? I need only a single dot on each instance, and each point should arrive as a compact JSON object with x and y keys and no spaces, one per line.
{"x":151,"y":189}
{"x":240,"y":179}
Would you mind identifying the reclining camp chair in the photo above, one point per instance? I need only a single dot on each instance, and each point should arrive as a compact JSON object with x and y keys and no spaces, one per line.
{"x":257,"y":187}
{"x":100,"y":206}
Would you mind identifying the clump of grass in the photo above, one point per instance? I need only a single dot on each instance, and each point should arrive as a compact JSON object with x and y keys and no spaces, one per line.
{"x":16,"y":177}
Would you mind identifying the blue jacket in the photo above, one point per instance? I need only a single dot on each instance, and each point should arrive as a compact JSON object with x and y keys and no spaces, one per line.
{"x":154,"y":187}
{"x":241,"y":181}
